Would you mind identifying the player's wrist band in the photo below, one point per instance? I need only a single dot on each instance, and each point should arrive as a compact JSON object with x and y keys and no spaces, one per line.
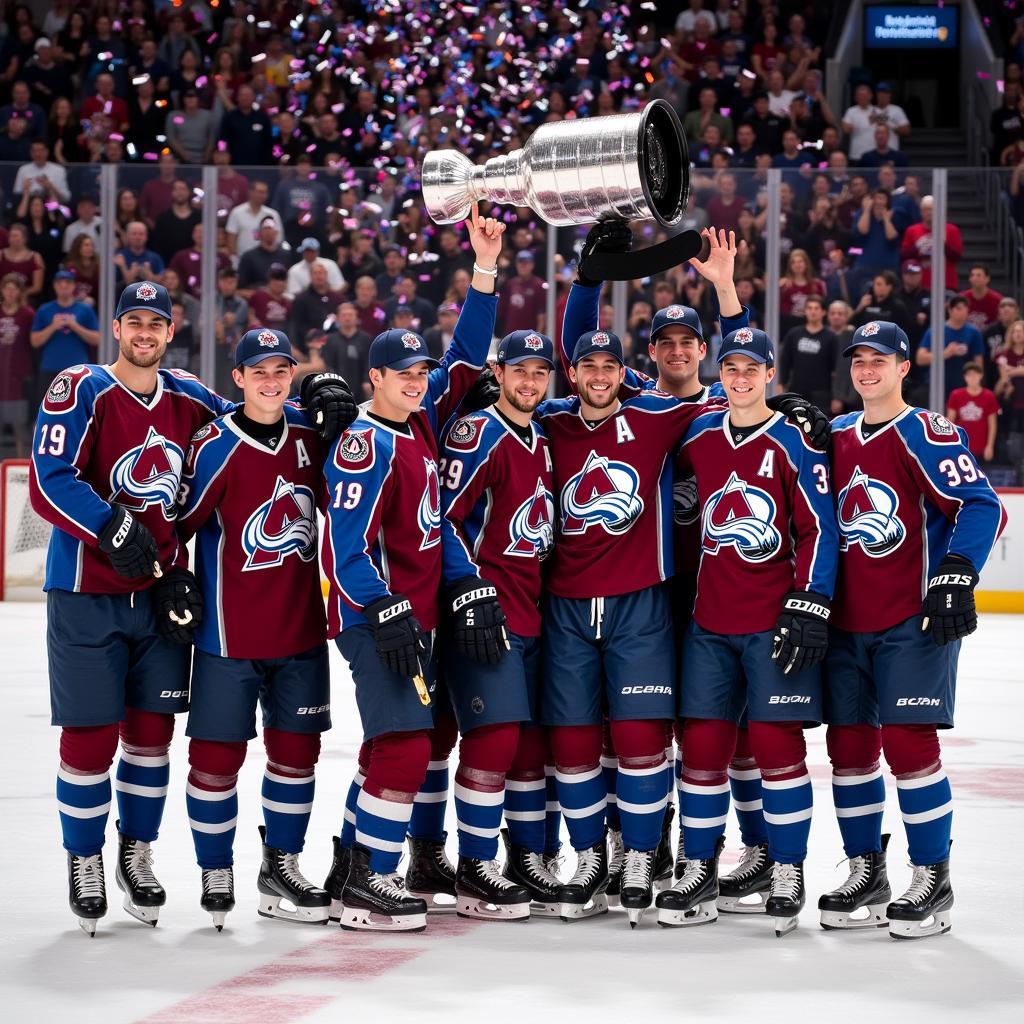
{"x":477,"y":269}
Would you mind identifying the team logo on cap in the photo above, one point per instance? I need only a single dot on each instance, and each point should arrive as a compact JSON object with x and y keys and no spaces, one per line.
{"x":145,"y":292}
{"x":604,"y":493}
{"x":869,"y":329}
{"x":741,"y":516}
{"x":284,"y":525}
{"x":267,"y":339}
{"x":409,"y":340}
{"x":866,"y":510}
{"x":600,"y":339}
{"x":533,"y":342}
{"x":148,"y":474}
{"x":744,"y":336}
{"x":531,"y":528}
{"x":675,"y":312}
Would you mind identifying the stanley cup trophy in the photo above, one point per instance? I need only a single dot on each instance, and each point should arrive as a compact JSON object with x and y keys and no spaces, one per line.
{"x":623,"y":167}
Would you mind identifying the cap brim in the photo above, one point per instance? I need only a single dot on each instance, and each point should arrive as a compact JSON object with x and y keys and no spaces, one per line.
{"x":598,"y":352}
{"x":253,"y":360}
{"x":886,"y":350}
{"x":523,"y":359}
{"x":670,"y":323}
{"x":756,"y":356}
{"x":404,"y":364}
{"x":148,"y":309}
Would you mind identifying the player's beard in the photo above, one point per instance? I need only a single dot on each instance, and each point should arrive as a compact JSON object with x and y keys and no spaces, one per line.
{"x":517,"y":403}
{"x":601,"y":401}
{"x":143,"y":362}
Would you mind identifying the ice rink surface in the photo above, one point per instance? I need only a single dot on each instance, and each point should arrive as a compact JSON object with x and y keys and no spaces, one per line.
{"x":271,"y":972}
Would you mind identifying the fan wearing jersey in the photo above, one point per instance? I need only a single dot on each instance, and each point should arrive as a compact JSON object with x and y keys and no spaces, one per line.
{"x":917,"y":521}
{"x":768,"y":534}
{"x":252,"y":486}
{"x":382,"y":557}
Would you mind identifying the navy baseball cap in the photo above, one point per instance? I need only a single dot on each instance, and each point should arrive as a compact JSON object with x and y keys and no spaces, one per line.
{"x":64,"y":275}
{"x":676,"y":316}
{"x":519,"y":346}
{"x":144,"y":295}
{"x":602,"y":342}
{"x":263,"y":343}
{"x":881,"y":335}
{"x":751,"y":342}
{"x":399,"y":349}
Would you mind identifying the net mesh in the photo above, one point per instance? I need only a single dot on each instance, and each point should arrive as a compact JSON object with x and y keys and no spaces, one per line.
{"x":25,"y":537}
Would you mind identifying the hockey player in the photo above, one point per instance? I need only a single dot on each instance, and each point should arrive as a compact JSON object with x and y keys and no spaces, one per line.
{"x":107,"y":457}
{"x":496,"y":529}
{"x":768,"y":533}
{"x":253,"y":483}
{"x":917,"y":521}
{"x":382,"y":557}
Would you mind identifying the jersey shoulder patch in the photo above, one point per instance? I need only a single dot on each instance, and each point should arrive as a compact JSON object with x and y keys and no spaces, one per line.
{"x":356,"y":450}
{"x":466,"y":433}
{"x":63,"y":393}
{"x":201,"y":439}
{"x":937,"y":429}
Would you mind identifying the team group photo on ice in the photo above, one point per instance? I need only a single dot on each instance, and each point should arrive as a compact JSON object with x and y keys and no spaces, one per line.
{"x":624,"y":607}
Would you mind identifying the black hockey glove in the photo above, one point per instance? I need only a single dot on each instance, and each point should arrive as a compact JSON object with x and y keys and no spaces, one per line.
{"x":809,"y":418}
{"x":949,"y":610}
{"x":801,"y":634}
{"x":129,"y":545}
{"x":605,"y":236}
{"x":485,"y":392}
{"x":399,"y":639}
{"x":177,"y":605}
{"x":478,"y":623}
{"x":329,"y":402}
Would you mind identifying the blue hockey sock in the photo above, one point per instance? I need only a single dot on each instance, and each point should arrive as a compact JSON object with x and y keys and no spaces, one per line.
{"x":287,"y":805}
{"x":381,"y":826}
{"x":479,"y":801}
{"x":703,"y":808}
{"x":787,"y":813}
{"x":926,"y":803}
{"x":642,"y":796}
{"x":525,"y":811}
{"x":553,"y":812}
{"x":212,"y":816}
{"x":141,"y":785}
{"x":745,"y":783}
{"x":83,"y":802}
{"x":610,"y":771}
{"x":860,"y":801}
{"x":581,"y":794}
{"x":348,"y":825}
{"x":428,"y":811}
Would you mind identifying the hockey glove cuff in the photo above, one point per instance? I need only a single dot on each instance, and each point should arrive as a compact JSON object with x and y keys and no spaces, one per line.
{"x":484,"y":393}
{"x":329,"y":403}
{"x":801,"y":634}
{"x":177,"y":605}
{"x":809,"y":418}
{"x":399,"y":639}
{"x":129,"y":545}
{"x":949,"y":611}
{"x":478,"y":623}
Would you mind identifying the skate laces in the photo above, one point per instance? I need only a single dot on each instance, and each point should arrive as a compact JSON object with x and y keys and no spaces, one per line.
{"x":859,"y":875}
{"x":490,"y":871}
{"x":288,"y":863}
{"x":444,"y":865}
{"x":636,"y":868}
{"x":617,"y":851}
{"x":587,"y":869}
{"x":538,"y":870}
{"x":750,"y":863}
{"x":140,"y":863}
{"x":920,"y":884}
{"x":694,"y":875}
{"x":392,"y":886}
{"x":218,"y":881}
{"x":553,"y":864}
{"x":786,"y":881}
{"x":89,"y":876}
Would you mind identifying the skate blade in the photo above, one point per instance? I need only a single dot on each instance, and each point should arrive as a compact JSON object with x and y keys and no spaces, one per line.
{"x":936,"y":924}
{"x":613,"y":900}
{"x":544,"y":909}
{"x":283,"y":910}
{"x":88,"y":925}
{"x":354,"y":920}
{"x":785,"y":925}
{"x":481,"y":910}
{"x":871,"y":915}
{"x":702,"y":913}
{"x":738,"y":904}
{"x":219,"y":917}
{"x":147,"y":915}
{"x":437,"y":902}
{"x":334,"y":914}
{"x":578,"y":911}
{"x":635,"y":915}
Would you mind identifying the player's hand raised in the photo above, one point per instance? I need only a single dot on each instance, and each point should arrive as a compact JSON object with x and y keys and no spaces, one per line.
{"x":949,"y":611}
{"x":397,"y":634}
{"x":478,"y":623}
{"x":718,"y":266}
{"x":129,"y":545}
{"x":801,"y":634}
{"x":177,"y":605}
{"x":485,"y":237}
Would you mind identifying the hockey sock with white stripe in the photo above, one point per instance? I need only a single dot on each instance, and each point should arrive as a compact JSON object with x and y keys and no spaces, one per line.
{"x":211,"y":799}
{"x":745,"y":784}
{"x":926,"y":803}
{"x":427,"y":821}
{"x":83,"y":801}
{"x":642,"y":795}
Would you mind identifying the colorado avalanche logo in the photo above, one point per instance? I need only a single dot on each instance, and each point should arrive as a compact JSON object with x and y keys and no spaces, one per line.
{"x":603,"y":493}
{"x":869,"y":329}
{"x":675,"y":312}
{"x":600,"y":339}
{"x":267,"y":339}
{"x":534,"y":342}
{"x":429,"y":515}
{"x":743,"y":517}
{"x":147,"y":475}
{"x":866,"y":511}
{"x":282,"y":526}
{"x":744,"y":336}
{"x":409,"y":340}
{"x":531,"y":527}
{"x":145,"y":292}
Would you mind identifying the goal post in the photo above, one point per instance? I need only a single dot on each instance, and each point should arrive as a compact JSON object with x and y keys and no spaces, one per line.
{"x":24,"y":536}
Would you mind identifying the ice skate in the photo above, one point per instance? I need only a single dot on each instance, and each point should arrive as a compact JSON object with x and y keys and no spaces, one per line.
{"x":528,"y":869}
{"x":285,"y":892}
{"x":924,"y":909}
{"x":745,"y":889}
{"x":637,"y":892}
{"x":786,"y":897}
{"x":861,"y":901}
{"x":431,"y":875}
{"x":483,"y":892}
{"x":218,"y":894}
{"x":692,"y":899}
{"x":143,"y":894}
{"x":336,"y":878}
{"x":663,"y":862}
{"x":584,"y":894}
{"x":87,"y":891}
{"x":616,"y":853}
{"x":376,"y":902}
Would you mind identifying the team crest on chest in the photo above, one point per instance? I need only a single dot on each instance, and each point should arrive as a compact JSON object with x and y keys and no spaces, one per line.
{"x":466,"y":433}
{"x":148,"y":474}
{"x":63,"y":391}
{"x":741,"y":516}
{"x":531,"y":528}
{"x":429,"y":515}
{"x":867,"y":513}
{"x":284,"y":525}
{"x":604,"y":493}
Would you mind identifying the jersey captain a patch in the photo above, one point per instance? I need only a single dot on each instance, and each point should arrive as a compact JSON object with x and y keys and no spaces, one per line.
{"x":148,"y":474}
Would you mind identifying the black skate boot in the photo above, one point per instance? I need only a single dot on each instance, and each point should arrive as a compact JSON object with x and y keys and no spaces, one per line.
{"x":431,"y":875}
{"x":285,"y":892}
{"x":691,"y":900}
{"x":663,"y":861}
{"x":143,"y":894}
{"x":865,"y":894}
{"x":616,"y":853}
{"x":680,"y":864}
{"x":87,"y":891}
{"x":529,"y":869}
{"x":786,"y":897}
{"x":336,"y":878}
{"x":637,"y":892}
{"x":218,"y":894}
{"x":483,"y":892}
{"x":584,"y":894}
{"x":924,"y":909}
{"x":375,"y":902}
{"x":745,"y":889}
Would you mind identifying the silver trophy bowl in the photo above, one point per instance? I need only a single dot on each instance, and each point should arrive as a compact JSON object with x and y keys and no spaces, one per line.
{"x":627,"y":166}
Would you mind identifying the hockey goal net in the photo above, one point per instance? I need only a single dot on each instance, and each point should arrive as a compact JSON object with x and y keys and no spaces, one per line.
{"x":23,"y":536}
